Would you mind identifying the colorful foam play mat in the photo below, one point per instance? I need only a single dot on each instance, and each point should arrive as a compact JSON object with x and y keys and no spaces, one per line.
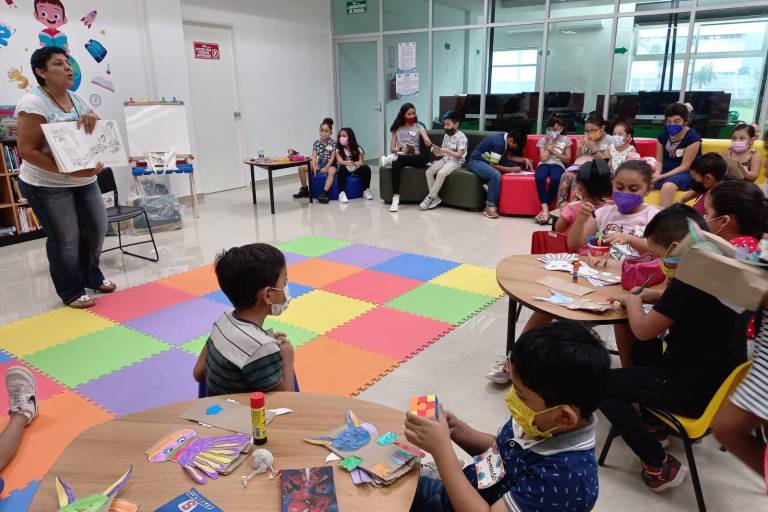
{"x":358,"y":311}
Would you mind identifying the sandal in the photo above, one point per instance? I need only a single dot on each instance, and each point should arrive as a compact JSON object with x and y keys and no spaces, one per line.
{"x":83,"y":302}
{"x":106,"y":287}
{"x":542,"y":217}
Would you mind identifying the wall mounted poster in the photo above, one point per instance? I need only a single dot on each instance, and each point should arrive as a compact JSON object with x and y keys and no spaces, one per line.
{"x":406,"y":56}
{"x":407,"y":84}
{"x":357,"y":6}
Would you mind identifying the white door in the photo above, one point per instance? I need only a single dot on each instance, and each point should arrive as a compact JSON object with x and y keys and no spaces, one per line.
{"x":211,"y":65}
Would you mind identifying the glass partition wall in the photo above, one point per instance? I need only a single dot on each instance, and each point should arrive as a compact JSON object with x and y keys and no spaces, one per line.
{"x":506,"y":64}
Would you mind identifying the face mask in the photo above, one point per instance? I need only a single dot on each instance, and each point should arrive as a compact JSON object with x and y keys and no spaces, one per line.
{"x":626,"y":201}
{"x":709,"y":225}
{"x":552,"y":134}
{"x":698,"y":187}
{"x":523,"y":416}
{"x":739,"y":146}
{"x":449,"y":131}
{"x":278,"y":309}
{"x":674,"y":129}
{"x":410,"y":120}
{"x":343,"y":140}
{"x":668,"y":264}
{"x":595,"y":136}
{"x":324,"y":136}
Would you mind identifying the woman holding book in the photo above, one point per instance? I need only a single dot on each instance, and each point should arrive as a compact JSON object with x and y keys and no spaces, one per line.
{"x":69,"y":206}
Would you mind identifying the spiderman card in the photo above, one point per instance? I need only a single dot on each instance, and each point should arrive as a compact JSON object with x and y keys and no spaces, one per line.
{"x":308,"y":490}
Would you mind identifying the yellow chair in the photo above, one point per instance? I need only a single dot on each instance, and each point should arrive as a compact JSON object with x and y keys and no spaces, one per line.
{"x":720,"y":145}
{"x":690,"y":430}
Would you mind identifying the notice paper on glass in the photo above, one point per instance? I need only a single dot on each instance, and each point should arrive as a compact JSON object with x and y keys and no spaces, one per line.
{"x":407,"y":84}
{"x":406,"y":56}
{"x":74,"y":150}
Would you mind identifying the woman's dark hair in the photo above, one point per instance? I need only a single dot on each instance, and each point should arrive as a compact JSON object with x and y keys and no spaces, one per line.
{"x":354,"y":149}
{"x":629,"y":128}
{"x":595,"y":118}
{"x":555,"y":119}
{"x":564,"y":363}
{"x":40,"y":58}
{"x":400,"y":119}
{"x":671,"y":224}
{"x":595,"y":177}
{"x":679,"y":109}
{"x":243,"y":271}
{"x":520,"y":137}
{"x":711,"y":163}
{"x":641,"y":166}
{"x":744,"y":201}
{"x":327,"y":122}
{"x":744,"y":126}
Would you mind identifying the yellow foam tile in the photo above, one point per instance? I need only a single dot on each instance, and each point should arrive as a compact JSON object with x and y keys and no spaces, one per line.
{"x":48,"y":329}
{"x":321,"y":311}
{"x":471,"y":278}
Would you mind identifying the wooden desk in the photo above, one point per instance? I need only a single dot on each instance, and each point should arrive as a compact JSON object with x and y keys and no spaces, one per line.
{"x":100,"y":455}
{"x":269,"y":166}
{"x":517,"y":276}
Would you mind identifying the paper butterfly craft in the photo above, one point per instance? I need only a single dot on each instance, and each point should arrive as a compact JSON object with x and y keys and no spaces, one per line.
{"x":199,"y":457}
{"x":96,"y":503}
{"x":353,"y":437}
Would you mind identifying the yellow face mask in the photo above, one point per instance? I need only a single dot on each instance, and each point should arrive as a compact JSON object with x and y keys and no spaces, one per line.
{"x":524,"y":415}
{"x":668,"y":264}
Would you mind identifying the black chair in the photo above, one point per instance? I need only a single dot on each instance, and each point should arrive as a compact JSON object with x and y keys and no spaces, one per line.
{"x":118,"y":213}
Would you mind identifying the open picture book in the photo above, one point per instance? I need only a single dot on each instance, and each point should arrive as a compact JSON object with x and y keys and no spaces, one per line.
{"x":74,"y":150}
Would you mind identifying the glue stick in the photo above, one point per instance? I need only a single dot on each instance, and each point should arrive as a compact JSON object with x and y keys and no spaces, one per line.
{"x":258,"y":418}
{"x":575,"y":272}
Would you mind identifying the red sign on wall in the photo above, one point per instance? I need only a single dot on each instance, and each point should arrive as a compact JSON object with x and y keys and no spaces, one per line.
{"x":206,"y":50}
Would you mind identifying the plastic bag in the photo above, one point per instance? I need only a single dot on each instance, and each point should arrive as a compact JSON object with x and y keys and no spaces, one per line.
{"x":163,"y":209}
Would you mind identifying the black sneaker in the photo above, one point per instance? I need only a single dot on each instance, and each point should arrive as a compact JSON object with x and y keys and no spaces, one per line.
{"x":323,"y":197}
{"x":670,"y":474}
{"x":302,"y":193}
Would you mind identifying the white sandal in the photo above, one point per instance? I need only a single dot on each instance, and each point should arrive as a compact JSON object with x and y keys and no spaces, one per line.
{"x":83,"y":302}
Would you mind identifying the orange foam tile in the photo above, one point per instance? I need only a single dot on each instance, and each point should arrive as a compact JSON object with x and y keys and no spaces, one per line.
{"x":318,"y":273}
{"x":61,"y":419}
{"x":199,"y":281}
{"x":325,"y":365}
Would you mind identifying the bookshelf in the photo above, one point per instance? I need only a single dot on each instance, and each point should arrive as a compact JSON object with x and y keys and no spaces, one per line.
{"x":16,"y":216}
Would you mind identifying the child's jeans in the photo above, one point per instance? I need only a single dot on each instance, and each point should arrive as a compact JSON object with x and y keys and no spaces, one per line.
{"x":554,"y":172}
{"x":430,"y":492}
{"x":490,"y":175}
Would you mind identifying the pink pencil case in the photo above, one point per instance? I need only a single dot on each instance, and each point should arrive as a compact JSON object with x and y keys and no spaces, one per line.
{"x":296,"y":158}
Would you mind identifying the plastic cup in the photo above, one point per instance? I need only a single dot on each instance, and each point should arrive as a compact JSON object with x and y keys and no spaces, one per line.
{"x":598,"y":254}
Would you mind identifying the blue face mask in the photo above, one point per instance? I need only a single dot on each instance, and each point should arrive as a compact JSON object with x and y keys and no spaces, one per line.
{"x":674,"y":129}
{"x":552,"y":134}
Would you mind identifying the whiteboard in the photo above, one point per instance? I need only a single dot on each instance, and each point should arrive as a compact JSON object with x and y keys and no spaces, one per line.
{"x":156,"y":127}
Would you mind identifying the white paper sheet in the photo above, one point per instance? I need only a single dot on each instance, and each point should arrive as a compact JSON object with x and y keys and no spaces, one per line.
{"x":407,"y":84}
{"x":74,"y":150}
{"x":406,"y":56}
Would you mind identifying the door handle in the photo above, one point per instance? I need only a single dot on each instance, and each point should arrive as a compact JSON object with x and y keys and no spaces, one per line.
{"x":237,"y":115}
{"x":378,"y":109}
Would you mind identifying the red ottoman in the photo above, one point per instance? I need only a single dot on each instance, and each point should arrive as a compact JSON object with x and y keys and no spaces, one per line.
{"x":518,"y":195}
{"x":646,"y":147}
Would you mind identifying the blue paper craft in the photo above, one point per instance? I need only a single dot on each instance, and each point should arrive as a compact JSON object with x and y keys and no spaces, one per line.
{"x":214,"y":409}
{"x":387,"y":439}
{"x":353,"y":437}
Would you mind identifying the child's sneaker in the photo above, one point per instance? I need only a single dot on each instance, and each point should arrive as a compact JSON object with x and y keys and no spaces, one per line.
{"x":395,"y":206}
{"x":302,"y":193}
{"x":499,"y":373}
{"x":388,"y":159}
{"x":22,"y":396}
{"x":343,"y":197}
{"x":367,"y":194}
{"x":435,"y":203}
{"x":323,"y":197}
{"x":671,"y":474}
{"x":425,"y":203}
{"x":491,"y":212}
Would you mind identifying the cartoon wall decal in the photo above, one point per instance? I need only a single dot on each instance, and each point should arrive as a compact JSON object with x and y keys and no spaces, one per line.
{"x":10,"y":3}
{"x":96,"y":49}
{"x":52,"y":15}
{"x":88,"y":19}
{"x":15,"y":75}
{"x":104,"y":82}
{"x":95,"y":100}
{"x":5,"y":33}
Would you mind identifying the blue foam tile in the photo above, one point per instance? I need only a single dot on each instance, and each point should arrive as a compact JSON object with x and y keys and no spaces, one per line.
{"x":4,"y":358}
{"x":297,"y":290}
{"x":415,"y":266}
{"x":218,"y":296}
{"x":21,"y":499}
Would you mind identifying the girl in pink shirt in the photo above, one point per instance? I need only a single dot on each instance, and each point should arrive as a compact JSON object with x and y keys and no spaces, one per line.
{"x":594,"y":185}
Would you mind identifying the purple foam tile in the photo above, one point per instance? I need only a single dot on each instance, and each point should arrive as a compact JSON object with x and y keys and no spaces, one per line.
{"x":291,"y":258}
{"x":360,"y":255}
{"x":160,"y":380}
{"x":182,"y":322}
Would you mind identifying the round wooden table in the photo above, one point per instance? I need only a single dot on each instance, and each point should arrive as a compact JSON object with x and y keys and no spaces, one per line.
{"x":517,"y":276}
{"x":100,"y":455}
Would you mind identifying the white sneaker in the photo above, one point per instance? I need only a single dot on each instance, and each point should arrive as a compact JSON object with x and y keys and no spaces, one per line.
{"x":22,"y":396}
{"x":367,"y":194}
{"x":395,"y":206}
{"x":388,"y":159}
{"x":435,"y":203}
{"x":343,"y":197}
{"x":425,"y":203}
{"x":499,"y":373}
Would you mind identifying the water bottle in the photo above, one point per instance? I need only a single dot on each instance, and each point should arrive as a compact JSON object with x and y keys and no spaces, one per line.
{"x":261,"y":154}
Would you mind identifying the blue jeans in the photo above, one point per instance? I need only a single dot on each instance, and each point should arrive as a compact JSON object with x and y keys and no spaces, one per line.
{"x":489,"y":174}
{"x":75,"y":221}
{"x":430,"y":492}
{"x":554,"y":173}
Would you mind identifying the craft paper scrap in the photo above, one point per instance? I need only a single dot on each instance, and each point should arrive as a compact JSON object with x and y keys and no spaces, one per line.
{"x":232,"y":416}
{"x":280,"y":411}
{"x":564,"y":286}
{"x":386,"y":439}
{"x":332,"y":457}
{"x":190,"y":500}
{"x":351,"y":462}
{"x":214,"y":409}
{"x":489,"y":467}
{"x":410,"y":449}
{"x":74,"y":150}
{"x":360,"y":476}
{"x":381,"y":470}
{"x":424,"y":406}
{"x":308,"y":489}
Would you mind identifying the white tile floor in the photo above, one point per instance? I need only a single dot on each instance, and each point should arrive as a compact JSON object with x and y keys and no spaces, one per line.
{"x":452,"y":367}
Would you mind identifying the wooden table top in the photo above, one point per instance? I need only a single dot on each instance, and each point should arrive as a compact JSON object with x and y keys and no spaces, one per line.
{"x":100,"y":455}
{"x":517,"y":276}
{"x":274,"y":164}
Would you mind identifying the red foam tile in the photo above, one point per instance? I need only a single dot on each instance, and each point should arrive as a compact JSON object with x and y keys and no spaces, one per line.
{"x":373,"y":286}
{"x":45,"y":386}
{"x":390,"y":332}
{"x":138,"y":301}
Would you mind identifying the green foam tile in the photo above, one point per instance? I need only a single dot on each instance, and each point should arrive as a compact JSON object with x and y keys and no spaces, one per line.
{"x":313,"y":246}
{"x":194,"y":346}
{"x":297,"y":335}
{"x":441,"y":303}
{"x":95,"y":355}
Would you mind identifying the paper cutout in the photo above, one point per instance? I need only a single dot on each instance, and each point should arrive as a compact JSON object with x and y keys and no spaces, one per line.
{"x":360,"y":477}
{"x":308,"y":489}
{"x":53,"y":16}
{"x":14,"y":74}
{"x":380,"y":470}
{"x":424,"y":406}
{"x":489,"y":467}
{"x":564,"y":286}
{"x":387,"y":438}
{"x":233,"y":416}
{"x":350,"y":463}
{"x":88,"y":19}
{"x":5,"y":33}
{"x":201,"y":458}
{"x":214,"y":409}
{"x":96,"y":503}
{"x":104,"y":82}
{"x":280,"y":411}
{"x":332,"y":457}
{"x":571,"y":303}
{"x":96,"y":49}
{"x":348,"y":439}
{"x":410,"y":449}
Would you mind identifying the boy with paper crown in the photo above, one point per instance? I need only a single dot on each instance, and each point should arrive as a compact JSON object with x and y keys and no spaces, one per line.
{"x":544,"y":456}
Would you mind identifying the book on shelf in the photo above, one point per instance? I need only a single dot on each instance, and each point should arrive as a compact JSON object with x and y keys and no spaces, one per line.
{"x":8,"y":123}
{"x":18,"y":197}
{"x":7,"y":231}
{"x":11,"y":158}
{"x":27,"y":219}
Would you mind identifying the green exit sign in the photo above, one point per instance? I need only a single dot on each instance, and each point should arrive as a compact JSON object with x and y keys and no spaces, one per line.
{"x":357,"y":6}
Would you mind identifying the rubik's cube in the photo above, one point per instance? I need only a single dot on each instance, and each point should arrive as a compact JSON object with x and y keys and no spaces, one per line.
{"x":424,"y":406}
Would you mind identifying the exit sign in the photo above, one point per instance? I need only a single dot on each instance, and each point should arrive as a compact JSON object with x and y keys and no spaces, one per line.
{"x":357,"y":6}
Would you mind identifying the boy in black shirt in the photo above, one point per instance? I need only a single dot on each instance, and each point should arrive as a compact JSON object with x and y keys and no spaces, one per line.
{"x":706,"y":341}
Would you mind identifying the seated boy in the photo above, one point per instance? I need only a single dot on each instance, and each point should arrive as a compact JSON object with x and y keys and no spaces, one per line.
{"x":547,"y":448}
{"x":707,"y":172}
{"x":706,"y":341}
{"x":452,"y":154}
{"x":240,"y":356}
